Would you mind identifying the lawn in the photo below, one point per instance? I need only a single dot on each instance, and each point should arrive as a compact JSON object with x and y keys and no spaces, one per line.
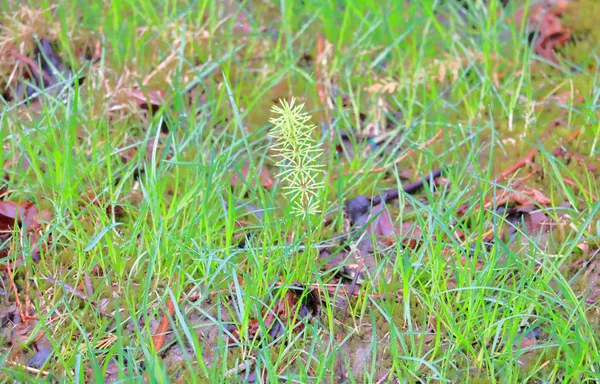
{"x":300,"y":191}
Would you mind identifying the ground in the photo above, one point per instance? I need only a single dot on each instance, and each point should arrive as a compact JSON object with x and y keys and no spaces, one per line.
{"x":148,"y":231}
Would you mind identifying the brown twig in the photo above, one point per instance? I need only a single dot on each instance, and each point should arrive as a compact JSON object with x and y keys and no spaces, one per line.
{"x":13,"y":286}
{"x":574,"y":135}
{"x":529,"y":175}
{"x":398,"y":160}
{"x":529,"y":158}
{"x":563,"y":153}
{"x":575,"y":185}
{"x":161,"y":332}
{"x":520,"y":164}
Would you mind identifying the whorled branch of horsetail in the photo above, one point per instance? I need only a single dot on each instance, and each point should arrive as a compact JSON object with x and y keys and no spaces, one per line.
{"x":299,"y":155}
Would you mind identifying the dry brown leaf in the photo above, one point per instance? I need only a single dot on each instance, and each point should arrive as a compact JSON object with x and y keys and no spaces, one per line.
{"x":520,"y":195}
{"x":551,"y":33}
{"x":264,"y":177}
{"x":149,"y":100}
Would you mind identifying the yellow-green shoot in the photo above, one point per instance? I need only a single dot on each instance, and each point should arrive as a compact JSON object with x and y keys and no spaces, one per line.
{"x":299,"y":155}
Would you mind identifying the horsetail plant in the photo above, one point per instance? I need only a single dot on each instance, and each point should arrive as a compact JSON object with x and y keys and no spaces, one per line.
{"x":299,"y":155}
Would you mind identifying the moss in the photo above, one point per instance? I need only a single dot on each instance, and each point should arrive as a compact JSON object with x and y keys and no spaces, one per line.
{"x":481,"y":379}
{"x":581,"y":18}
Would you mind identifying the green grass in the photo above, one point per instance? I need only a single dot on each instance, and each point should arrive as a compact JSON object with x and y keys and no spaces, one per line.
{"x":471,"y":74}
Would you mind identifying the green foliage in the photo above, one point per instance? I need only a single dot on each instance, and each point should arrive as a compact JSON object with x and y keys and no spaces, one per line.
{"x":299,"y":153}
{"x":450,"y":310}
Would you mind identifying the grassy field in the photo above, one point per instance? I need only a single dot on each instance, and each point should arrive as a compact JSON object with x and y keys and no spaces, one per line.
{"x":146,"y":232}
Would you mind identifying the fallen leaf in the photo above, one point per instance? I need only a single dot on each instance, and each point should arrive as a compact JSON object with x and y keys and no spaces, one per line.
{"x":150,"y":101}
{"x":27,"y":216}
{"x":380,"y":225}
{"x":43,"y":353}
{"x":544,"y":20}
{"x":264,"y":177}
{"x":241,"y":23}
{"x":19,"y":336}
{"x":46,"y":72}
{"x":411,"y":235}
{"x":528,"y":340}
{"x":21,"y":161}
{"x":356,"y":208}
{"x":9,"y":214}
{"x":112,"y":372}
{"x":552,"y":33}
{"x":520,"y":195}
